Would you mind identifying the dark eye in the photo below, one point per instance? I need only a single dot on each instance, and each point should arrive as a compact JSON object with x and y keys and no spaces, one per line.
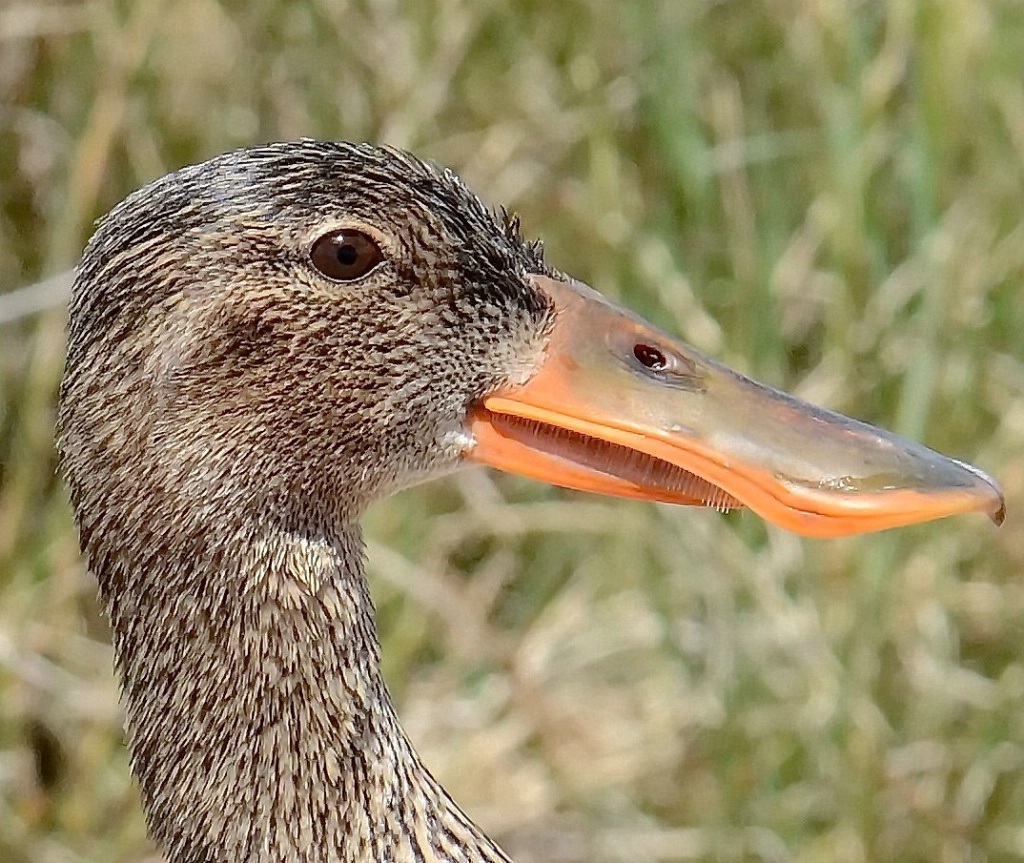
{"x":649,"y":357}
{"x":345,"y":255}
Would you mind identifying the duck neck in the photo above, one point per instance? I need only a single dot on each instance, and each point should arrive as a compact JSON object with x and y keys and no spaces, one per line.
{"x":259,"y":725}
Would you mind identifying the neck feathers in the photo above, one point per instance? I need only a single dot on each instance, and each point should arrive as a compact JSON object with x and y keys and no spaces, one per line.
{"x":259,"y":725}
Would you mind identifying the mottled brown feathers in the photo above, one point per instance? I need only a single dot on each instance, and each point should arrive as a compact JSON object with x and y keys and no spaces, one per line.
{"x":226,"y":414}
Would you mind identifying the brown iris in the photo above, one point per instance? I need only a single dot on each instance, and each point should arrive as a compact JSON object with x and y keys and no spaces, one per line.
{"x":345,"y":255}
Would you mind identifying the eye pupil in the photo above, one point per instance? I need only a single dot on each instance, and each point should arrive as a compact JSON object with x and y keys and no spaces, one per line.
{"x":649,"y":357}
{"x":345,"y":255}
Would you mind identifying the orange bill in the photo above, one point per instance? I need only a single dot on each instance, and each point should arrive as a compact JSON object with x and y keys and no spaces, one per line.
{"x":618,"y":407}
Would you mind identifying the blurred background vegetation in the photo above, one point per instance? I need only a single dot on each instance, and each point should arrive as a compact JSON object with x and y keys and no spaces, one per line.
{"x":828,"y":195}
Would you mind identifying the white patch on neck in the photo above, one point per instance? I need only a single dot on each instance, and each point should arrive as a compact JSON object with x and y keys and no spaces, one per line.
{"x":293,"y":565}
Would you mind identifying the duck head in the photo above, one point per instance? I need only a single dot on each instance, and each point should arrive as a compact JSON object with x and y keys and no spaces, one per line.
{"x":292,"y":331}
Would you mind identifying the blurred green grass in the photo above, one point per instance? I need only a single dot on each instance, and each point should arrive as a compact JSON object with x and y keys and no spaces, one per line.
{"x":828,"y":195}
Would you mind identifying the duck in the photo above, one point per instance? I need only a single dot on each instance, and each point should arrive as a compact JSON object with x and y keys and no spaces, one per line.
{"x":262,"y":345}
